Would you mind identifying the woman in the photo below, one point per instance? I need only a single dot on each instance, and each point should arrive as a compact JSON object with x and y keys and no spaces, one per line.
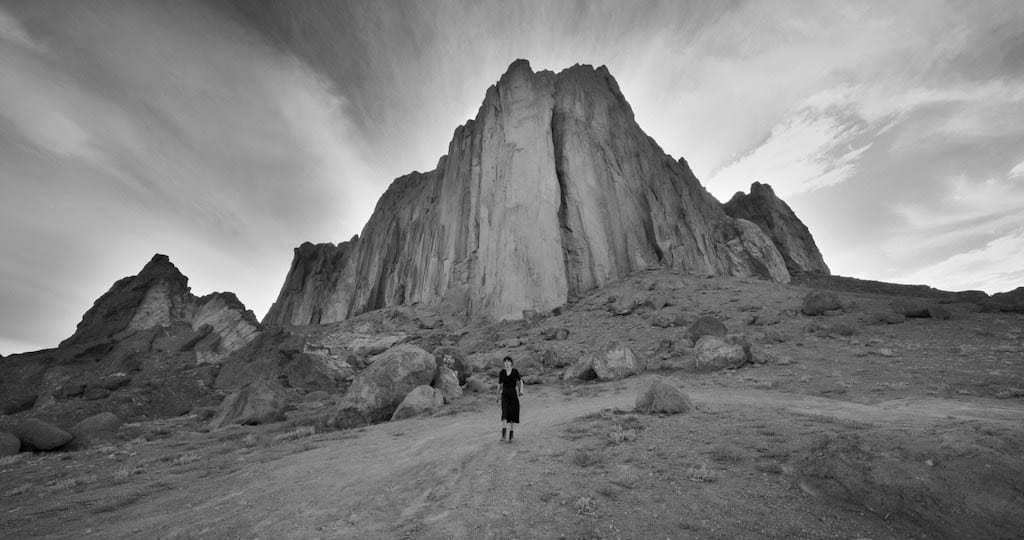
{"x":510,"y":386}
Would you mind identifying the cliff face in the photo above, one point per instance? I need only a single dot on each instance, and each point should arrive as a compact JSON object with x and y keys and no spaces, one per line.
{"x":552,"y":190}
{"x":787,"y":232}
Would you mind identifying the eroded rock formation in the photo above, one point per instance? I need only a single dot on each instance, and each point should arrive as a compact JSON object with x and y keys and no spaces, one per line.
{"x":552,"y":190}
{"x":147,"y":347}
{"x":763,"y":208}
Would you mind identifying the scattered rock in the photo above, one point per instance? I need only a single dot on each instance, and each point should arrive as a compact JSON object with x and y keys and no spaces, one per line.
{"x":669,"y":317}
{"x":36,"y":434}
{"x":98,"y":427}
{"x":705,"y":326}
{"x":552,"y":360}
{"x":886,"y":352}
{"x":259,"y":402}
{"x":658,"y":395}
{"x":556,"y":334}
{"x":911,"y":308}
{"x":9,"y":444}
{"x":819,"y":302}
{"x":453,"y":358}
{"x":582,"y":369}
{"x":884,"y":317}
{"x":714,"y":353}
{"x":447,"y":383}
{"x":421,"y":400}
{"x":764,"y":319}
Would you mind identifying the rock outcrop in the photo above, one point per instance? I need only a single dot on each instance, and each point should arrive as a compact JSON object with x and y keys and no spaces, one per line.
{"x":147,"y":347}
{"x":551,"y":191}
{"x":787,"y":232}
{"x":159,"y":296}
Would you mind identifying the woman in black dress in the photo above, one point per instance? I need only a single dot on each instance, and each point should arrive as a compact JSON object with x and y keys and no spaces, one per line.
{"x":510,"y":384}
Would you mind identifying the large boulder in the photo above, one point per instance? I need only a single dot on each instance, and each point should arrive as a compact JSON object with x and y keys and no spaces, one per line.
{"x":713,"y":353}
{"x":98,"y":427}
{"x":820,"y":302}
{"x":36,"y":434}
{"x":617,"y":362}
{"x":259,"y":402}
{"x":420,"y":401}
{"x":447,"y":383}
{"x":9,"y":444}
{"x":658,"y":395}
{"x":706,"y":326}
{"x":380,"y":388}
{"x":582,"y":369}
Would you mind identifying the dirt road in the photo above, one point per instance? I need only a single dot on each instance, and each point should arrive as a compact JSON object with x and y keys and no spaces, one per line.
{"x":450,"y":476}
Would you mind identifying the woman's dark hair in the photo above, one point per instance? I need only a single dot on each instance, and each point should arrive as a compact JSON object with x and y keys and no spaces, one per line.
{"x":508,"y":359}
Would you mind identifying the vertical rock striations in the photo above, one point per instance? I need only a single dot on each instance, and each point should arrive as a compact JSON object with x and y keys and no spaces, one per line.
{"x":787,"y":232}
{"x":552,"y":190}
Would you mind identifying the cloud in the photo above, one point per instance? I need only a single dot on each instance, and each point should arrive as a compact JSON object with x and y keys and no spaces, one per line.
{"x":809,"y":150}
{"x":1017,"y":171}
{"x":997,"y":266}
{"x":149,"y":127}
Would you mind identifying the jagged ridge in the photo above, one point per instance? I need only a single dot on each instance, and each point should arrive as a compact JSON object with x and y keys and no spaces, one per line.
{"x":552,"y":190}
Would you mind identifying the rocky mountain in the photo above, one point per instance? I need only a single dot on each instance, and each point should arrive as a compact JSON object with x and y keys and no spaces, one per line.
{"x":763,"y":208}
{"x":550,"y":191}
{"x":147,"y":347}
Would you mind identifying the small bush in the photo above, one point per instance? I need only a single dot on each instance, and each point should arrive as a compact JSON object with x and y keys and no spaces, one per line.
{"x":585,"y":506}
{"x":585,"y":458}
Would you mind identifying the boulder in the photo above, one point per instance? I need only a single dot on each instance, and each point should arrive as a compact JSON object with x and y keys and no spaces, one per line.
{"x":820,"y":302}
{"x":582,"y":369}
{"x":558,"y":334}
{"x":382,"y":386}
{"x":706,"y":326}
{"x":478,"y":383}
{"x":36,"y":434}
{"x":713,"y":353}
{"x":552,"y":360}
{"x":669,"y":317}
{"x":114,"y":381}
{"x":98,"y":427}
{"x":448,"y":383}
{"x":9,"y":444}
{"x":884,"y":317}
{"x":259,"y":402}
{"x":659,"y":396}
{"x":616,"y":362}
{"x":420,"y":401}
{"x":912,"y":309}
{"x":454,"y":359}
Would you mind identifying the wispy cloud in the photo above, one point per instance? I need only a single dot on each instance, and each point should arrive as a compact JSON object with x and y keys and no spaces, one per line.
{"x":996,"y":266}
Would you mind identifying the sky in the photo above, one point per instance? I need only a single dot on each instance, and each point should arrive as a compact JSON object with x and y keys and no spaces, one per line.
{"x":224,"y":133}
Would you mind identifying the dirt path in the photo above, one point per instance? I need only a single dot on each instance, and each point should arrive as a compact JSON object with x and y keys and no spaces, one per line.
{"x":445,"y":476}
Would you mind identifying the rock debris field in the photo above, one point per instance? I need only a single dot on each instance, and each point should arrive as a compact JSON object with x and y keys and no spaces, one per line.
{"x":661,"y":406}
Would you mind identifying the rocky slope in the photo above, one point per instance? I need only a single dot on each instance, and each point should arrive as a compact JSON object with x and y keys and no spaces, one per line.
{"x":763,"y":208}
{"x":147,"y":347}
{"x":551,"y":191}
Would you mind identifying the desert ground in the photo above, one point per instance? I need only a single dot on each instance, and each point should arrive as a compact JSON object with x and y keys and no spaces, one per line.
{"x":847,"y":427}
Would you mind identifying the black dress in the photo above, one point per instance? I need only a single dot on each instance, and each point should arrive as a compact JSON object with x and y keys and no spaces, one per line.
{"x":509,"y":396}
